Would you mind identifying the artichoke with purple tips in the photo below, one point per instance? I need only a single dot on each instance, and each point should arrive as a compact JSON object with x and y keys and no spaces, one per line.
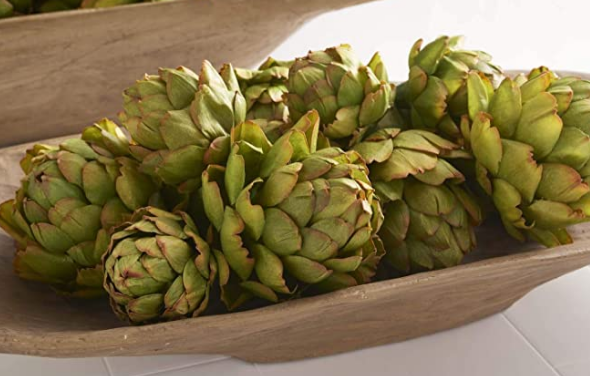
{"x":264,"y":90}
{"x":70,"y":198}
{"x":435,"y":96}
{"x":181,"y":122}
{"x":158,"y":268}
{"x":429,"y":215}
{"x":349,"y":96}
{"x":530,"y":139}
{"x":289,"y":216}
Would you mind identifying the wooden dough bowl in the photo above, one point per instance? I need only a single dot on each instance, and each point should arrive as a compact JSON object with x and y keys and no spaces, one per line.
{"x":34,"y":321}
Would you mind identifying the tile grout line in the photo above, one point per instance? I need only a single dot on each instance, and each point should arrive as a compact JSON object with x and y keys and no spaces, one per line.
{"x":258,"y":369}
{"x":521,"y":334}
{"x":185,"y":366}
{"x":107,"y":366}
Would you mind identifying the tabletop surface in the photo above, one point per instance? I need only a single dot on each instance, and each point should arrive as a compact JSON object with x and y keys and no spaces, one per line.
{"x":545,"y":333}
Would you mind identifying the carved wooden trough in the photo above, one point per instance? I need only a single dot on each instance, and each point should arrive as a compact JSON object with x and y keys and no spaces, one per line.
{"x":37,"y":101}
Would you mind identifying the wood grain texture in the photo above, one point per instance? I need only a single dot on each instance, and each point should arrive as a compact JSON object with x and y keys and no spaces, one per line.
{"x":66,"y":69}
{"x":34,"y":321}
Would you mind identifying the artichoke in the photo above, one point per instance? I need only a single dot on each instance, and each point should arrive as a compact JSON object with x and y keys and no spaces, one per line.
{"x":106,"y":3}
{"x":288,"y":216}
{"x":181,"y":122}
{"x":6,"y":8}
{"x":350,"y":97}
{"x":58,"y":5}
{"x":158,"y":268}
{"x":435,"y":96}
{"x":69,"y":199}
{"x":530,"y":139}
{"x":264,"y":90}
{"x":22,"y":6}
{"x":429,"y":216}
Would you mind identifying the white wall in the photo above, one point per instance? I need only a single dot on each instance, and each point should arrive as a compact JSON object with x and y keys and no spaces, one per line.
{"x":519,"y":34}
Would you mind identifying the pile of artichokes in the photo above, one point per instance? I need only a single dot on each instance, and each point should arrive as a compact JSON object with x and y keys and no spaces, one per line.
{"x":237,"y":188}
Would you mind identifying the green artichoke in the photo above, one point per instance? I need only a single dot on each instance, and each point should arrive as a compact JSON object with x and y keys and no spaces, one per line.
{"x":58,"y":5}
{"x":350,"y":97}
{"x":70,"y":197}
{"x":435,"y":96}
{"x":530,"y":139}
{"x":106,"y":3}
{"x":288,"y":216}
{"x":6,"y":9}
{"x":148,"y":101}
{"x":22,"y":6}
{"x":429,"y":216}
{"x":158,"y":268}
{"x":181,"y":122}
{"x":264,"y":90}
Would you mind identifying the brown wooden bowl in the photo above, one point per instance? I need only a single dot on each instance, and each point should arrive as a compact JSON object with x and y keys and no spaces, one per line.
{"x":34,"y":321}
{"x":78,"y":59}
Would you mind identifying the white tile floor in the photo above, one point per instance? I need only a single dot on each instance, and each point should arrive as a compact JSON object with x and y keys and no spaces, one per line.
{"x":555,"y":319}
{"x":546,"y":333}
{"x":577,"y":369}
{"x":127,"y":366}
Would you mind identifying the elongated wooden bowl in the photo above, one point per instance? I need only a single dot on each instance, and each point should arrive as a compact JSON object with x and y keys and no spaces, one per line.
{"x":57,"y":62}
{"x":35,"y":321}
